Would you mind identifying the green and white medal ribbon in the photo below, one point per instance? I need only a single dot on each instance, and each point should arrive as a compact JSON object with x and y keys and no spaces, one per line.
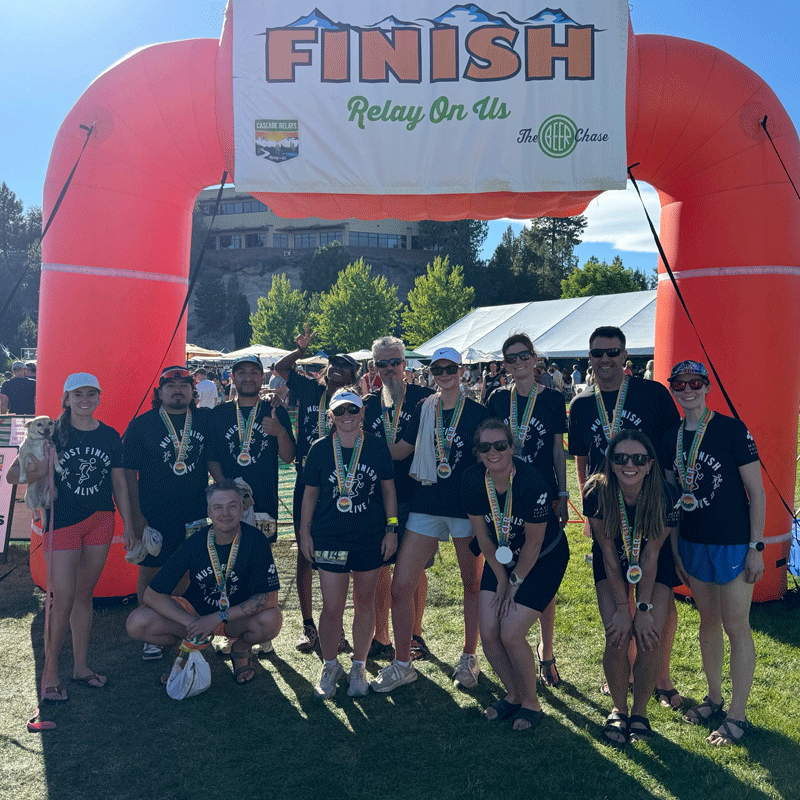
{"x":687,"y":469}
{"x":631,"y":540}
{"x":611,"y":427}
{"x":245,"y":431}
{"x":346,"y":481}
{"x":219,"y":577}
{"x":390,"y":425}
{"x":322,"y":417}
{"x":520,"y":431}
{"x":444,"y":439}
{"x":502,"y":525}
{"x":179,"y":467}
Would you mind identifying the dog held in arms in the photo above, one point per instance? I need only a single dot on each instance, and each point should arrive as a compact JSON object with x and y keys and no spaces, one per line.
{"x":37,"y":443}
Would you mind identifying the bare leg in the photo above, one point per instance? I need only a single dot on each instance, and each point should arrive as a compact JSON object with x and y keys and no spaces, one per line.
{"x":708,"y":600}
{"x":615,"y":659}
{"x":334,"y":587}
{"x":547,"y":622}
{"x":471,"y":567}
{"x":303,"y":579}
{"x":91,"y":563}
{"x":363,"y":611}
{"x":383,"y":605}
{"x":420,"y":598}
{"x":664,"y":680}
{"x":514,"y":627}
{"x":146,"y":574}
{"x":496,"y":653}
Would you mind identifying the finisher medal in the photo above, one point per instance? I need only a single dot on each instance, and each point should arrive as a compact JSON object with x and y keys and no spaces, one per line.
{"x":346,"y":480}
{"x":504,"y":555}
{"x":344,"y":504}
{"x":243,"y":459}
{"x":444,"y":470}
{"x":634,"y":574}
{"x":179,"y":468}
{"x":688,"y":501}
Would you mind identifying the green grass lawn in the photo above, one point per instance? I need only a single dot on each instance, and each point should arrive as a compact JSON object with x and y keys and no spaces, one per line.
{"x":270,"y":738}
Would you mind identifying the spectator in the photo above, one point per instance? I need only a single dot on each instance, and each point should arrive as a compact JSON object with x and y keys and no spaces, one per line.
{"x":206,"y":390}
{"x":18,"y":394}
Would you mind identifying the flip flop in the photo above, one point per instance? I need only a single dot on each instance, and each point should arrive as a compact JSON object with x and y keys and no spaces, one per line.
{"x":86,"y":680}
{"x":53,"y":690}
{"x":37,"y":725}
{"x":504,"y":710}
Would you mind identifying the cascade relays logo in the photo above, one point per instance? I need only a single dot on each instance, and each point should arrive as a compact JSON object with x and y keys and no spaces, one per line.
{"x":464,"y":43}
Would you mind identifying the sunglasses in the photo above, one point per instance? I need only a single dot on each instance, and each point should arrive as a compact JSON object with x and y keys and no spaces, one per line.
{"x":523,"y":355}
{"x":350,"y":409}
{"x":451,"y":370}
{"x":175,"y":373}
{"x":638,"y":459}
{"x":389,"y":362}
{"x":599,"y":352}
{"x":694,"y":384}
{"x":499,"y":445}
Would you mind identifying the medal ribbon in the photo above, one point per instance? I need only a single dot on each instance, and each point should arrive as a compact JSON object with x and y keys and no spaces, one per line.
{"x":390,"y":425}
{"x":631,"y":539}
{"x":444,"y":440}
{"x":221,"y":579}
{"x":520,"y":432}
{"x":322,"y":417}
{"x":502,"y":526}
{"x":346,"y":482}
{"x":686,"y":467}
{"x":182,"y":445}
{"x":246,"y":430}
{"x":612,"y":427}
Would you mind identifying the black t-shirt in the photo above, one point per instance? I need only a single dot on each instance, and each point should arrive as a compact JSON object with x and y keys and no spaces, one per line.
{"x":308,"y":393}
{"x":163,"y":495}
{"x":84,"y":483}
{"x":648,"y":408}
{"x":531,"y":502}
{"x":262,"y":471}
{"x":443,"y":498}
{"x":672,"y":515}
{"x":21,"y":394}
{"x":364,"y":526}
{"x":722,"y":515}
{"x":373,"y":422}
{"x":492,"y":382}
{"x":549,"y":418}
{"x":253,"y":573}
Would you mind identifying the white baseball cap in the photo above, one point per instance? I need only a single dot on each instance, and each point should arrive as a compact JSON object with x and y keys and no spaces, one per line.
{"x":344,"y":396}
{"x":80,"y":379}
{"x":448,"y":353}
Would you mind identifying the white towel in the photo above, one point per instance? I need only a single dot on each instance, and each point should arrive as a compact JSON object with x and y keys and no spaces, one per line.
{"x":150,"y":542}
{"x":423,"y":467}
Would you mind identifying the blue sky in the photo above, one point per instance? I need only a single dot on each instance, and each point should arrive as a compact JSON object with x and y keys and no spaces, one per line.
{"x":53,"y":49}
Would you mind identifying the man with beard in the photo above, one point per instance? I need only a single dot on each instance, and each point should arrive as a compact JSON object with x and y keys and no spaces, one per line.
{"x":312,"y":424}
{"x":165,"y":455}
{"x":387,"y":414}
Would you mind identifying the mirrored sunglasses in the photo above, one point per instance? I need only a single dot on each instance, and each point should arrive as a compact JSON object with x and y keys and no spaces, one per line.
{"x":499,"y":445}
{"x":638,"y":459}
{"x":450,"y":370}
{"x":349,"y":408}
{"x":523,"y":355}
{"x":167,"y":374}
{"x":599,"y":352}
{"x":694,"y":384}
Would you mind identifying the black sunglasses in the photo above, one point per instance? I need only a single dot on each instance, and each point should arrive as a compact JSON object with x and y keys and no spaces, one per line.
{"x":694,"y":384}
{"x":499,"y":445}
{"x":389,"y":362}
{"x":523,"y":355}
{"x":450,"y":370}
{"x":349,"y":408}
{"x":611,"y":352}
{"x":638,"y":459}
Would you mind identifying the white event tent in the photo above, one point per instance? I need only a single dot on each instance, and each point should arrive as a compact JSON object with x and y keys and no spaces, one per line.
{"x":558,"y":328}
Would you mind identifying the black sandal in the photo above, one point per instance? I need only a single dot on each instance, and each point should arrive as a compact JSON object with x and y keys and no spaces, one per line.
{"x":504,"y":710}
{"x":644,"y":732}
{"x":703,"y":719}
{"x":419,"y":650}
{"x":614,"y":724}
{"x":547,"y":671}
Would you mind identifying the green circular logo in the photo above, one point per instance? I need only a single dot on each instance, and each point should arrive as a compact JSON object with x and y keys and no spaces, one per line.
{"x":558,"y":136}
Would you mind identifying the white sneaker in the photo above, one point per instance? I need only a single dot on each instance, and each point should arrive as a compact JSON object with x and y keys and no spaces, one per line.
{"x":151,"y":652}
{"x":358,"y":681}
{"x":393,"y":676}
{"x":264,"y":647}
{"x":326,"y":687}
{"x":466,"y":673}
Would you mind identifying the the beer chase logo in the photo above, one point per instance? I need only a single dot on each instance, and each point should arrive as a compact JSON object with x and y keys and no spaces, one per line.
{"x":464,"y":43}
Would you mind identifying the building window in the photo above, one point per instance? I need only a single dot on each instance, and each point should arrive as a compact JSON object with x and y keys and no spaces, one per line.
{"x":329,"y":237}
{"x":383,"y":240}
{"x":234,"y":207}
{"x":305,"y":240}
{"x":211,"y":243}
{"x":255,"y":240}
{"x":280,"y":240}
{"x":230,"y":242}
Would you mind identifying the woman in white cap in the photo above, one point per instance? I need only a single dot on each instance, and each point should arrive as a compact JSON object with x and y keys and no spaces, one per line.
{"x":90,"y":470}
{"x":713,"y":461}
{"x":348,"y":523}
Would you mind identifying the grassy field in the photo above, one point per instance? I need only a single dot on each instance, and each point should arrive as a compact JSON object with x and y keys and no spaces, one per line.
{"x":270,"y":738}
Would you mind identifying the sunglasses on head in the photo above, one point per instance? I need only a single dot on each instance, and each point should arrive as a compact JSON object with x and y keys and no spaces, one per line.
{"x":175,"y":373}
{"x":638,"y":459}
{"x":523,"y":355}
{"x":450,"y":370}
{"x":349,"y":408}
{"x":694,"y":384}
{"x":388,"y":362}
{"x":599,"y":352}
{"x":499,"y":445}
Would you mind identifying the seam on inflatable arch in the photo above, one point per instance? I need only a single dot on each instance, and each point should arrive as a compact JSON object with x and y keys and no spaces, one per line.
{"x":715,"y":272}
{"x":104,"y":272}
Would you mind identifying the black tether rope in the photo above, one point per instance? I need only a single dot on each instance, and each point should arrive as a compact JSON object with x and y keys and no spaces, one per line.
{"x":694,"y":328}
{"x":763,"y":124}
{"x":7,"y":303}
{"x":192,"y":281}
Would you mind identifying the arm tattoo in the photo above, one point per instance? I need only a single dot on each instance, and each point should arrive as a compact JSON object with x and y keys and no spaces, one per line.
{"x":255,"y":604}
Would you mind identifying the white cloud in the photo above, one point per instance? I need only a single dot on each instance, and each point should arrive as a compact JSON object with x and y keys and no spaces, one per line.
{"x":616,"y":218}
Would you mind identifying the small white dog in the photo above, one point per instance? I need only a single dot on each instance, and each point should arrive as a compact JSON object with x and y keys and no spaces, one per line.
{"x":36,"y":444}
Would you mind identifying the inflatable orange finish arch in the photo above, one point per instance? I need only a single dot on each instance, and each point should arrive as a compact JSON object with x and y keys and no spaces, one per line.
{"x":116,"y":259}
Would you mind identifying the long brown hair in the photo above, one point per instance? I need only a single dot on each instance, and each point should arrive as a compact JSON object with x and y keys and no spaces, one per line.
{"x":650,"y":504}
{"x":61,"y":428}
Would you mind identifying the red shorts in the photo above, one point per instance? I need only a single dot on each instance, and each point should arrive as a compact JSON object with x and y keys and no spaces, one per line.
{"x":96,"y":531}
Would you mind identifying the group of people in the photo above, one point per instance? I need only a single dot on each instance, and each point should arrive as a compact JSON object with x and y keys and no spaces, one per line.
{"x":18,"y":390}
{"x":384,"y":478}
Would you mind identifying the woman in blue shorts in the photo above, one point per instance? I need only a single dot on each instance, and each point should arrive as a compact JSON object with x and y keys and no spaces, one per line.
{"x":713,"y":461}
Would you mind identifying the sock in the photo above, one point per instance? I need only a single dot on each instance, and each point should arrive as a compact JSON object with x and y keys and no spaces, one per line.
{"x":403,"y":663}
{"x":332,"y":663}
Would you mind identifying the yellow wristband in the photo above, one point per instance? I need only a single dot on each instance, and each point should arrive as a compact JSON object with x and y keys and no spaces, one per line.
{"x":391,"y":521}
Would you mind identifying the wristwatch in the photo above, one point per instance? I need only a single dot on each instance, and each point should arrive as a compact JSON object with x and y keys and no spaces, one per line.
{"x":223,"y":615}
{"x":514,"y":579}
{"x":644,"y":607}
{"x":758,"y":546}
